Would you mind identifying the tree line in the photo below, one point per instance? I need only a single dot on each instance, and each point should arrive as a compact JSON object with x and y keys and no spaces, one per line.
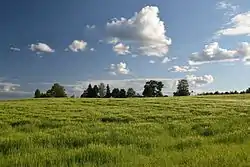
{"x":152,"y":88}
{"x":247,"y":91}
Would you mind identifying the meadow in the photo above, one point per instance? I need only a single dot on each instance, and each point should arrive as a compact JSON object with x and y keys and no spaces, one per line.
{"x":209,"y":131}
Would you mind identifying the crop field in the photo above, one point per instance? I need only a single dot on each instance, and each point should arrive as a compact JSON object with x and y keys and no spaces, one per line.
{"x":209,"y":131}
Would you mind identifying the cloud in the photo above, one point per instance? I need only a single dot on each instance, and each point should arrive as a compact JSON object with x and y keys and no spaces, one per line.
{"x":182,"y":69}
{"x":10,"y":90}
{"x":113,"y":41}
{"x":239,"y":25}
{"x":230,"y":8}
{"x":213,"y":53}
{"x":121,"y":68}
{"x":166,"y":60}
{"x":92,"y":49}
{"x":152,"y":62}
{"x":145,"y":32}
{"x":199,"y":81}
{"x":15,"y":49}
{"x":41,"y":48}
{"x":121,"y":49}
{"x":90,"y":26}
{"x":77,"y":46}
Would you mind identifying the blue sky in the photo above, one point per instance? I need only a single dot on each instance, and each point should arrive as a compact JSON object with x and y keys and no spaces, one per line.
{"x":123,"y":43}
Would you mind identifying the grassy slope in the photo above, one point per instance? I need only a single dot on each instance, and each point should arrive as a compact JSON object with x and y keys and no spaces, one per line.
{"x":193,"y":131}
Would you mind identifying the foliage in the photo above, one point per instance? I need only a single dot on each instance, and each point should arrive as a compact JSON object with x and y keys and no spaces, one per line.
{"x":37,"y":93}
{"x":122,"y":93}
{"x":102,"y":90}
{"x":153,"y":88}
{"x":115,"y":93}
{"x":182,"y":88}
{"x":108,"y":92}
{"x":131,"y":92}
{"x":56,"y":91}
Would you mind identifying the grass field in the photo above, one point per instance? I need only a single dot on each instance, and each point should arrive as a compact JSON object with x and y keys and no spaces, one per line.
{"x":209,"y":131}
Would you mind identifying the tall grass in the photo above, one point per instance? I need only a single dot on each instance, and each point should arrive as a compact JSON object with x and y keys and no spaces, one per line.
{"x":187,"y":131}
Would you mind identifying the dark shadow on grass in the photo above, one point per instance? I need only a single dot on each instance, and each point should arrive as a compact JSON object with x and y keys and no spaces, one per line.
{"x":117,"y":119}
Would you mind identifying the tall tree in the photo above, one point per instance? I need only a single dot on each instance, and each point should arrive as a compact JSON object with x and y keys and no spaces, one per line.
{"x":101,"y":90}
{"x":248,"y":90}
{"x":37,"y":93}
{"x":131,"y":92}
{"x":57,"y":91}
{"x":182,"y":88}
{"x":108,"y":92}
{"x":115,"y":93}
{"x":153,"y":88}
{"x":95,"y":91}
{"x":90,"y":91}
{"x":122,"y":93}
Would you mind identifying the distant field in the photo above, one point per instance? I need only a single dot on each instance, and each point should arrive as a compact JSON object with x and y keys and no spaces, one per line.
{"x":204,"y":131}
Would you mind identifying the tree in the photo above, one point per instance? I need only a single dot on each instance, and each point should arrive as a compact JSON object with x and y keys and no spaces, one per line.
{"x":95,"y":91}
{"x":122,"y":93}
{"x":101,"y":88}
{"x":182,"y":88}
{"x":56,"y":91}
{"x":37,"y":93}
{"x":248,"y":90}
{"x":131,"y":92}
{"x":115,"y":93}
{"x":84,"y":94}
{"x":108,"y":93}
{"x":216,"y":93}
{"x":90,"y":91}
{"x":153,"y":89}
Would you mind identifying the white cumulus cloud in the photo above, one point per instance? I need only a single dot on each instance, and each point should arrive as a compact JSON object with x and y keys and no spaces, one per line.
{"x":230,"y":8}
{"x":166,"y":60}
{"x":145,"y":32}
{"x":78,"y":45}
{"x":41,"y":48}
{"x":239,"y":25}
{"x":182,"y":69}
{"x":120,"y":68}
{"x":92,"y":49}
{"x":121,"y":49}
{"x":213,"y":53}
{"x":199,"y":81}
{"x":152,"y":62}
{"x":90,"y":26}
{"x":15,"y":49}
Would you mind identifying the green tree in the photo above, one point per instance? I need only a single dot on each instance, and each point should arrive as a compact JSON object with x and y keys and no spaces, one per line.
{"x":182,"y":88}
{"x":37,"y":93}
{"x":108,"y":92}
{"x":90,"y":91}
{"x":153,"y":88}
{"x":115,"y":93}
{"x":95,"y":91}
{"x":122,"y":93}
{"x":248,"y":90}
{"x":84,"y":94}
{"x":131,"y":92}
{"x":102,"y":90}
{"x":57,"y":91}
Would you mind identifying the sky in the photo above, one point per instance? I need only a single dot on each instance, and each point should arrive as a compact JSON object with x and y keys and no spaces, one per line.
{"x":124,"y":44}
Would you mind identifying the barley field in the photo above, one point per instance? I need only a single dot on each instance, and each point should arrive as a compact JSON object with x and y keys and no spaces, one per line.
{"x":209,"y":131}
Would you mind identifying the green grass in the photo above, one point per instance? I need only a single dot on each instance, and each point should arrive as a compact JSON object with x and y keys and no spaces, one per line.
{"x":211,"y":131}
